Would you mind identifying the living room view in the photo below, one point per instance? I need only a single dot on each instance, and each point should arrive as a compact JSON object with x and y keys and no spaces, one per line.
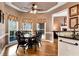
{"x":39,"y":28}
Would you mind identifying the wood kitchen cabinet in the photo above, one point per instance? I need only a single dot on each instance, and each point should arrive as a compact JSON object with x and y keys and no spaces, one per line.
{"x":66,"y":49}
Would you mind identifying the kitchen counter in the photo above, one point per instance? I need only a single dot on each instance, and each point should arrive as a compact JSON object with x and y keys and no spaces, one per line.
{"x":67,"y":44}
{"x":68,"y":35}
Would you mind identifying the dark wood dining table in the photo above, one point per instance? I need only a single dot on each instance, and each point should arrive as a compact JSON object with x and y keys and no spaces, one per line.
{"x":30,"y":41}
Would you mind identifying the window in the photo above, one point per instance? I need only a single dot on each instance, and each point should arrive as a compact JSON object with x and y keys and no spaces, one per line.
{"x":40,"y":27}
{"x":27,"y":26}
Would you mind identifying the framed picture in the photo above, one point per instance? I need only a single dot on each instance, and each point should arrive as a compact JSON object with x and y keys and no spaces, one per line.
{"x":1,"y":17}
{"x":73,"y":11}
{"x":73,"y":22}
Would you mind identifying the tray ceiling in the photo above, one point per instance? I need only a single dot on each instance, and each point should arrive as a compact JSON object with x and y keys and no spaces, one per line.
{"x":26,"y":6}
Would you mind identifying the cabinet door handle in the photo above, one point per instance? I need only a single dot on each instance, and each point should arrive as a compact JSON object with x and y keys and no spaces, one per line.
{"x":76,"y":44}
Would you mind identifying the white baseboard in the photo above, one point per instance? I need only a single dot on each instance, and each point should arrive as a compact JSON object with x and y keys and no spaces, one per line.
{"x":48,"y":41}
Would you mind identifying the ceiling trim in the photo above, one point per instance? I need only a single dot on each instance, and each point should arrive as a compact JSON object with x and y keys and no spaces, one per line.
{"x":13,"y":6}
{"x":18,"y":9}
{"x":51,"y":9}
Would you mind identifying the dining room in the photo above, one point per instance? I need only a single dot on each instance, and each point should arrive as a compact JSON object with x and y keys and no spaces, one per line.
{"x":27,"y":28}
{"x":34,"y":28}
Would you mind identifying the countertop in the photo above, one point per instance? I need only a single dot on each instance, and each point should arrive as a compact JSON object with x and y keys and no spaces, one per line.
{"x":68,"y":35}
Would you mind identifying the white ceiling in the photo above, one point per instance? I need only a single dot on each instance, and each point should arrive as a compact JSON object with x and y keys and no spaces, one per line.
{"x":26,"y":6}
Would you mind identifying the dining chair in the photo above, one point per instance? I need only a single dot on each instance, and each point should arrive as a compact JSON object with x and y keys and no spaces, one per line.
{"x":21,"y":40}
{"x":37,"y":40}
{"x":39,"y":36}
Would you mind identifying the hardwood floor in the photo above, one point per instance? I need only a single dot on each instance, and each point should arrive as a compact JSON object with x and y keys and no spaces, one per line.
{"x":47,"y":49}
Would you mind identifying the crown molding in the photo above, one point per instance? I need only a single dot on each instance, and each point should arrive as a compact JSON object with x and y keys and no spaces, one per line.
{"x":51,"y":9}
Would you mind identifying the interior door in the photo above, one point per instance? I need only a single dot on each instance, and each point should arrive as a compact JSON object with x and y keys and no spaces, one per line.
{"x":12,"y":28}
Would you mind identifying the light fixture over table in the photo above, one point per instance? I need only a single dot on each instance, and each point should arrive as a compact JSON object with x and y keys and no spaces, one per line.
{"x":34,"y":9}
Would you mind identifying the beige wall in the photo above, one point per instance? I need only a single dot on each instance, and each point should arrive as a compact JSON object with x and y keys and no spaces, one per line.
{"x":58,"y":21}
{"x":2,"y":30}
{"x":37,"y":18}
{"x":9,"y":11}
{"x":24,"y":17}
{"x":65,"y":6}
{"x":30,"y":17}
{"x":4,"y":27}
